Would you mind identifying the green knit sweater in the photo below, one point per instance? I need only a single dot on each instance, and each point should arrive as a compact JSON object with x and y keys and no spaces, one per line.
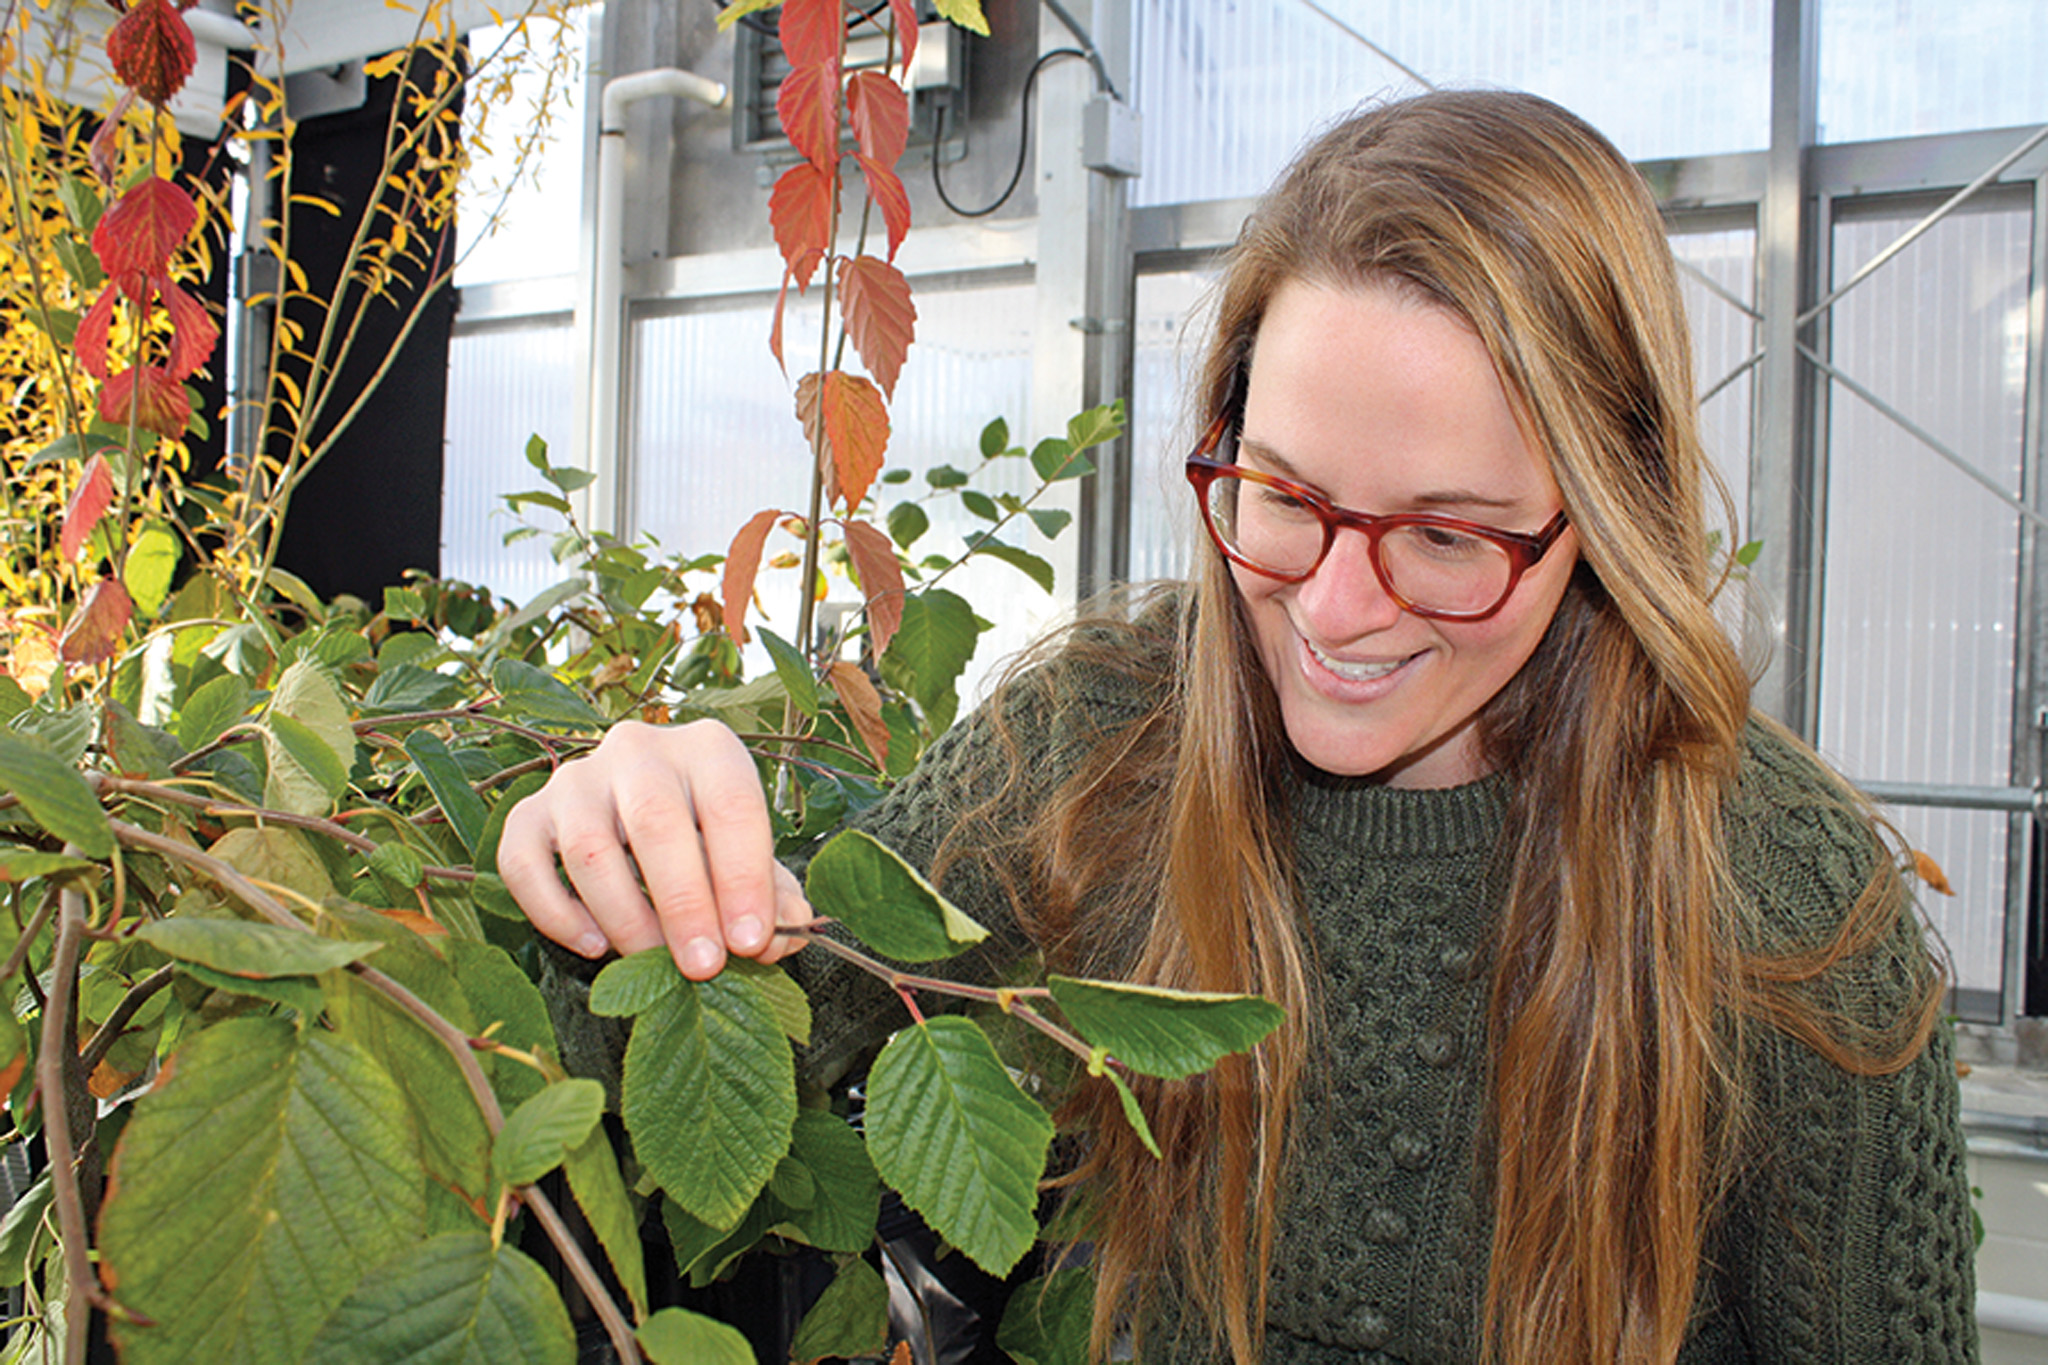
{"x":1848,"y":1239}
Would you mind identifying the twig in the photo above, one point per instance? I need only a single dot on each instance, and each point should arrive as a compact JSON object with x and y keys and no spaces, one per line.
{"x":585,"y":1275}
{"x":51,"y":1058}
{"x":138,"y":995}
{"x":28,"y":934}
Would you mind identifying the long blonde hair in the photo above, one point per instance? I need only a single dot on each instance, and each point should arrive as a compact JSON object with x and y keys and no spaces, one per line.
{"x":1623,"y":969}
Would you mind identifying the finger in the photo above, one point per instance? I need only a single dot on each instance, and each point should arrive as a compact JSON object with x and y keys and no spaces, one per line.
{"x":791,"y":909}
{"x":739,"y":841}
{"x":526,"y":860}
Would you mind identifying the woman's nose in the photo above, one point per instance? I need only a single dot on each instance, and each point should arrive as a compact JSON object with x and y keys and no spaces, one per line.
{"x":1344,"y":599}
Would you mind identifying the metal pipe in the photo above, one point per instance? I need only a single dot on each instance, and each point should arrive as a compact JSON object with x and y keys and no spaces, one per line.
{"x":604,"y":296}
{"x":2019,"y":800}
{"x":2012,"y":1313}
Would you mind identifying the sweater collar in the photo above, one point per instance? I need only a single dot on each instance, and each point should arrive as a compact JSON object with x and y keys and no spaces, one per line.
{"x":1367,"y":816}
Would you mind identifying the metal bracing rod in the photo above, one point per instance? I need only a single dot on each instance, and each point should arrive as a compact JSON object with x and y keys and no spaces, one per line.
{"x":1913,"y":233}
{"x":1729,"y":378}
{"x":1410,"y":72}
{"x":1924,"y":437}
{"x":2017,"y":800}
{"x":1718,"y":289}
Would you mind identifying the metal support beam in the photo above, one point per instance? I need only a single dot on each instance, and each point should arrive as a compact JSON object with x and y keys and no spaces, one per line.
{"x":1785,"y":489}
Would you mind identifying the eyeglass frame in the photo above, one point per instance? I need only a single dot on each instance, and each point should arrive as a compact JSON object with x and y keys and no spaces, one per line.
{"x":1524,"y":549}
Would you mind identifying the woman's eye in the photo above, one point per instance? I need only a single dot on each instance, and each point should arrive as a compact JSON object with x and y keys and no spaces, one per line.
{"x":1280,"y":501}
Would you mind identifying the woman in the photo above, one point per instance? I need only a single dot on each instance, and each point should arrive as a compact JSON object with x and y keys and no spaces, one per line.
{"x":1610,"y":1026}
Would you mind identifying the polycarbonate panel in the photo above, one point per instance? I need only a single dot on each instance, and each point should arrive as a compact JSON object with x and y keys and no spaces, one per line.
{"x":715,"y":440}
{"x":506,"y":383}
{"x":537,"y":204}
{"x":1896,"y":68}
{"x":1920,"y":576}
{"x":1231,"y":88}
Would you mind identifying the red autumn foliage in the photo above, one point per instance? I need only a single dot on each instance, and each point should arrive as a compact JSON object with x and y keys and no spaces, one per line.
{"x":812,"y":31}
{"x":848,"y":426}
{"x":742,"y":566}
{"x":905,"y":14}
{"x":89,"y":502}
{"x":143,"y":227}
{"x":808,"y":105}
{"x":94,"y":631}
{"x":157,"y":398}
{"x":880,"y":114}
{"x":885,"y":187}
{"x":881,"y":579}
{"x":863,"y":706}
{"x":880,"y":316}
{"x":801,"y":209}
{"x":152,"y":50}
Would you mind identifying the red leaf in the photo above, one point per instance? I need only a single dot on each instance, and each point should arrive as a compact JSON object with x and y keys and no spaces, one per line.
{"x":94,"y":632}
{"x":881,"y":578}
{"x":855,"y":425}
{"x":879,"y":315}
{"x":863,"y":705}
{"x":193,"y":333}
{"x":144,"y":227}
{"x":880,"y":113}
{"x":159,"y":400}
{"x":152,"y":50}
{"x":104,"y":152}
{"x":775,"y":329}
{"x":808,"y":105}
{"x":812,"y":415}
{"x":812,"y":31}
{"x":91,"y":342}
{"x":742,"y":564}
{"x":800,"y":210}
{"x":89,"y":502}
{"x":905,"y":14}
{"x":885,"y":187}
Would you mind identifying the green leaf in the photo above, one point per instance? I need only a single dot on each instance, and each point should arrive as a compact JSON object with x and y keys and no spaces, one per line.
{"x":1746,"y":555}
{"x":305,"y":695}
{"x":13,"y":700}
{"x":593,"y":1171}
{"x":508,"y":1006}
{"x":537,"y":451}
{"x":494,"y":827}
{"x":399,"y":863}
{"x":489,"y":894}
{"x":907,"y":522}
{"x":273,"y":853}
{"x":1054,"y":459}
{"x":932,"y":646}
{"x":302,"y":775}
{"x":1096,"y":425}
{"x":995,"y":438}
{"x":257,"y":951}
{"x":152,"y":560}
{"x":18,"y":1230}
{"x":1050,"y":521}
{"x":455,"y":1299}
{"x":846,"y":1193}
{"x":321,"y":1188}
{"x":966,"y":13}
{"x":221,"y":702}
{"x":444,"y":776}
{"x":293,"y":992}
{"x":792,"y":1007}
{"x":1047,"y":1320}
{"x":551,"y":501}
{"x":851,"y":1318}
{"x":944,"y":476}
{"x":951,"y":1132}
{"x":27,"y":864}
{"x":886,"y":902}
{"x":534,"y":694}
{"x":981,"y":504}
{"x":541,"y":1132}
{"x":1134,"y":1113}
{"x":54,"y":794}
{"x":408,"y":687}
{"x":676,"y":1336}
{"x":709,"y":1095}
{"x":634,"y":985}
{"x":405,"y":604}
{"x":1034,"y":568}
{"x":792,"y":670}
{"x":1160,"y":1032}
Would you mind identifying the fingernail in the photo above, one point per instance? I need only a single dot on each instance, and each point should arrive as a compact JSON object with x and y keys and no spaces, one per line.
{"x":700,"y":957}
{"x":591,"y":945}
{"x":746,"y":934}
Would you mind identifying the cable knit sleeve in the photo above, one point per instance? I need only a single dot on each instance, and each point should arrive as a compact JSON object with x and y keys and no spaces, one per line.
{"x":1848,"y":1237}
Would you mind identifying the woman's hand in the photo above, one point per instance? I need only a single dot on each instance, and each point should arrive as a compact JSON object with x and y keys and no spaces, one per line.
{"x":678,"y":809}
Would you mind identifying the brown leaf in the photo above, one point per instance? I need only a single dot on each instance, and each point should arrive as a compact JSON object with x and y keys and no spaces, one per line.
{"x":885,"y":187}
{"x":800,"y":212}
{"x":105,"y":1082}
{"x":881,"y":579}
{"x":1930,"y":874}
{"x":104,"y":152}
{"x":89,"y":502}
{"x":808,"y":105}
{"x":880,"y":317}
{"x":159,"y":400}
{"x":905,"y":14}
{"x":742,"y":563}
{"x":143,"y":227}
{"x":152,"y":50}
{"x":880,"y":114}
{"x":901,"y":1356}
{"x":94,"y":631}
{"x":707,"y":613}
{"x":863,"y":704}
{"x":811,"y":31}
{"x":848,"y":427}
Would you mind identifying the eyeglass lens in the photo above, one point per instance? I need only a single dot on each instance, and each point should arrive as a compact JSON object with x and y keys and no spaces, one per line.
{"x":1436,"y":568}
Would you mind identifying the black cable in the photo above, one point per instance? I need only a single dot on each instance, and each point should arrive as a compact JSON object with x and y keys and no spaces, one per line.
{"x":1023,"y":139}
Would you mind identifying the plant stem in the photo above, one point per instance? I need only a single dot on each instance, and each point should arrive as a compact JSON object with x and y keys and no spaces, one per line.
{"x":52,"y":1058}
{"x":138,"y":995}
{"x":36,"y":922}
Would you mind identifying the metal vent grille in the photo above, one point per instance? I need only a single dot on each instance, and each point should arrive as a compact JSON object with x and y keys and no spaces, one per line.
{"x":938,"y":78}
